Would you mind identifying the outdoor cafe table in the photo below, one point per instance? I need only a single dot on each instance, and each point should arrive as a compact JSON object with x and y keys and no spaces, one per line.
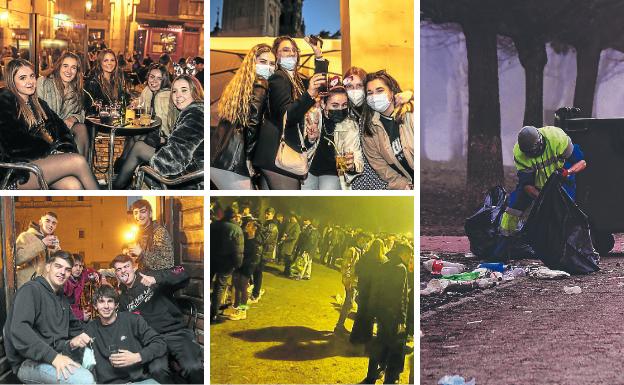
{"x":131,"y":129}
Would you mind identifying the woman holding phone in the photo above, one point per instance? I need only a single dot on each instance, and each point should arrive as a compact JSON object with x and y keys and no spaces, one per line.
{"x":292,"y":96}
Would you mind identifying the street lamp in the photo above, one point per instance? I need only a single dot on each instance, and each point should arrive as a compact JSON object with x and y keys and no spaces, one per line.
{"x":88,"y":5}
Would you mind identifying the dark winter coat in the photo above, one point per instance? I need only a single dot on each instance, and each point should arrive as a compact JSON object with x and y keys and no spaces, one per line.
{"x":389,"y":299}
{"x":291,"y":233}
{"x":308,"y":241}
{"x":39,"y":325}
{"x":251,"y":256}
{"x":269,"y":236}
{"x":233,"y":145}
{"x":184,"y":151}
{"x":20,"y":143}
{"x":281,"y":101}
{"x":94,"y":92}
{"x":226,"y":247}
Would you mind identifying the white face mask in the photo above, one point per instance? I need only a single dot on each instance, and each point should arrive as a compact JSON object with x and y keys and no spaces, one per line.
{"x":264,"y":70}
{"x":378,"y":102}
{"x":356,"y":97}
{"x":288,"y":63}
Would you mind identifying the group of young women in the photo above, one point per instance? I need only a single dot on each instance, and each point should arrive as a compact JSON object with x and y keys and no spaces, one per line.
{"x":43,"y":121}
{"x":356,"y":133}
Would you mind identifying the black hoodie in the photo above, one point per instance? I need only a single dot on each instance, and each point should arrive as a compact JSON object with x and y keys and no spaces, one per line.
{"x":39,"y":325}
{"x":154,"y":303}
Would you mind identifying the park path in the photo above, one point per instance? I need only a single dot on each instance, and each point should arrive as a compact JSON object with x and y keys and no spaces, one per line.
{"x":288,"y":337}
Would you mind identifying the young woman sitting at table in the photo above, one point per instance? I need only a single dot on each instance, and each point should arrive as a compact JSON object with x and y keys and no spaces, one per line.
{"x":32,"y":132}
{"x":63,"y":91}
{"x":107,"y":82}
{"x":184,"y":151}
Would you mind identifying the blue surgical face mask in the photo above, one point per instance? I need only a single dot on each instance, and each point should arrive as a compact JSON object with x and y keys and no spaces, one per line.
{"x":378,"y":102}
{"x":264,"y":70}
{"x":288,"y":63}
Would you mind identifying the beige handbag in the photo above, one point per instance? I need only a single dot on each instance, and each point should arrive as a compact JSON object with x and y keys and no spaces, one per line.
{"x":290,"y":160}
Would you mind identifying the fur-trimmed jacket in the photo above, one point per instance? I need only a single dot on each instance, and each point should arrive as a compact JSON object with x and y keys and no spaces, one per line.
{"x":184,"y":151}
{"x":71,"y":107}
{"x":30,"y":253}
{"x":21,"y":143}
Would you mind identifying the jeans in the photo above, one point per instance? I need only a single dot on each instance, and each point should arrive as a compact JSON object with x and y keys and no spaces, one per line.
{"x":323,"y":182}
{"x":347,"y":305}
{"x":257,"y":279}
{"x":220,"y":283}
{"x":148,"y":381}
{"x":33,"y":372}
{"x":241,"y":283}
{"x":302,"y":266}
{"x":182,"y":346}
{"x":228,"y":180}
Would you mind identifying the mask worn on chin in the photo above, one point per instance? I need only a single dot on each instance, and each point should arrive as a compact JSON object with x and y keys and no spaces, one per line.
{"x":289,"y":63}
{"x":356,"y":97}
{"x":337,"y":116}
{"x":378,"y":102}
{"x":264,"y":70}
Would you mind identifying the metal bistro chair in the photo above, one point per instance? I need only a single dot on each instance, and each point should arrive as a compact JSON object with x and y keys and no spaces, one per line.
{"x":22,"y":166}
{"x":165,"y":182}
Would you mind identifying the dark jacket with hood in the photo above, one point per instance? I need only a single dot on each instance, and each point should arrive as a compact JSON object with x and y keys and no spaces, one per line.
{"x":232,"y":145}
{"x":184,"y":151}
{"x":21,"y":143}
{"x":389,"y":300}
{"x":40,"y":324}
{"x":154,"y":303}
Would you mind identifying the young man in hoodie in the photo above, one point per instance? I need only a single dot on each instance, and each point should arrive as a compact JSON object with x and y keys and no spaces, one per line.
{"x":34,"y":245}
{"x":43,"y":339}
{"x":148,"y":293}
{"x":125,"y":346}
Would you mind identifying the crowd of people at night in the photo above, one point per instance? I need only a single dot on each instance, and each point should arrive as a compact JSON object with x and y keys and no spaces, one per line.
{"x":74,"y":324}
{"x":280,"y":130}
{"x":46,"y":120}
{"x":376,"y":269}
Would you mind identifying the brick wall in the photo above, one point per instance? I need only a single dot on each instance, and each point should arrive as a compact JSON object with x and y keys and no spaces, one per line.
{"x":101,"y":154}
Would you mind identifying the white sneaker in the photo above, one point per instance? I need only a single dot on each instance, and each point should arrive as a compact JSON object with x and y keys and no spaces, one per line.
{"x":238,"y":315}
{"x":229,"y":311}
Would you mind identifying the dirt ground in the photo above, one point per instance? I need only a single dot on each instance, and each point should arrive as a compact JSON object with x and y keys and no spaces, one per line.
{"x":288,"y":337}
{"x":530,"y":332}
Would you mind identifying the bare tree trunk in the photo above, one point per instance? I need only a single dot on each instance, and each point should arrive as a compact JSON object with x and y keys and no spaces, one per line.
{"x":423,"y":127}
{"x":587,"y":61}
{"x":533,"y":57}
{"x":485,"y":159}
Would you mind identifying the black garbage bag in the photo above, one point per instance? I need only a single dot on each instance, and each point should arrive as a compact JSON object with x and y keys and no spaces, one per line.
{"x":558,"y":231}
{"x":482,"y":227}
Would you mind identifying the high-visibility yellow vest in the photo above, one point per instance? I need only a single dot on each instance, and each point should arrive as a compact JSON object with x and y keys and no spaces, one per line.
{"x":558,"y":148}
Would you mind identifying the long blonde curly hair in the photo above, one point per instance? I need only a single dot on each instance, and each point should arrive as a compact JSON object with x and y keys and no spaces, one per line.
{"x":234,"y":103}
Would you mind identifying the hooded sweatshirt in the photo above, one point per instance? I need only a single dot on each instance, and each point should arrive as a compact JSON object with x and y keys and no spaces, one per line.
{"x":128,"y":332}
{"x":154,"y":303}
{"x":39,"y":325}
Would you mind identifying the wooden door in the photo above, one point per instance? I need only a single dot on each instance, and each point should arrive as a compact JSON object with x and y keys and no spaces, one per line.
{"x":184,"y":217}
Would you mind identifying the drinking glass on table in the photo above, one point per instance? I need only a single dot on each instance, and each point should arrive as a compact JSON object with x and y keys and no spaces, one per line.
{"x":146,"y":115}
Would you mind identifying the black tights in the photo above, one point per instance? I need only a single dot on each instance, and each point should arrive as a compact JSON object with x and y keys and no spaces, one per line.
{"x":81,"y":137}
{"x":63,"y":172}
{"x":140,"y":153}
{"x":274,"y":181}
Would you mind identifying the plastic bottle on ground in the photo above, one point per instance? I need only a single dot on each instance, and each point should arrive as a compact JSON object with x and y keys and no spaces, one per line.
{"x":494,"y":266}
{"x":572,"y":290}
{"x":435,"y":265}
{"x":455,"y":380}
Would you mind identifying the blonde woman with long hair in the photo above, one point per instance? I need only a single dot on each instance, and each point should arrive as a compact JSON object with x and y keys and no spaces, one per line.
{"x":32,"y":132}
{"x":241,"y":111}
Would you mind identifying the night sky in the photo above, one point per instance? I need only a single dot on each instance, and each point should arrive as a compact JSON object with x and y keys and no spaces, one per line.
{"x":317,"y":14}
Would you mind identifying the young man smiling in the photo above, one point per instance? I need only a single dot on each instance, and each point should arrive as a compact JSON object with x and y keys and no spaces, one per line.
{"x":148,"y":293}
{"x":42,"y":336}
{"x":34,"y":245}
{"x":153,"y":247}
{"x":124,"y":344}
